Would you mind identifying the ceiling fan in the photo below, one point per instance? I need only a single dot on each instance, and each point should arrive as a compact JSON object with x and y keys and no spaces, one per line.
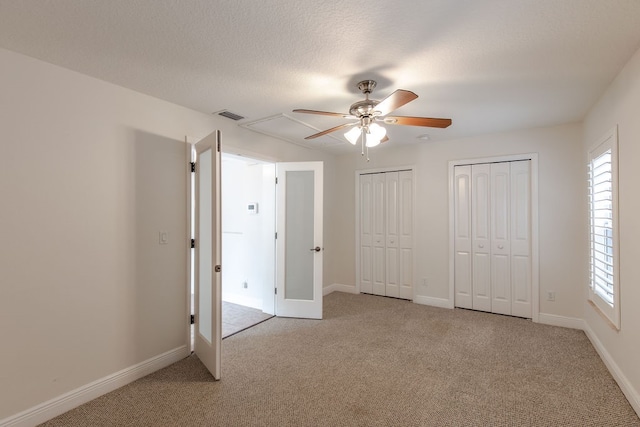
{"x":369,"y":111}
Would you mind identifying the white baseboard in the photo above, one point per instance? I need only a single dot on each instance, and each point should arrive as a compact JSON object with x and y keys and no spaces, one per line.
{"x":61,"y":404}
{"x":432,"y":301}
{"x":350,"y":289}
{"x":565,"y":322}
{"x":632,"y":395}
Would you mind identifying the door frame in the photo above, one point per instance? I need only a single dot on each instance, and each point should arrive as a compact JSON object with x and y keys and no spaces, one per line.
{"x":535,"y":262}
{"x":360,"y":172}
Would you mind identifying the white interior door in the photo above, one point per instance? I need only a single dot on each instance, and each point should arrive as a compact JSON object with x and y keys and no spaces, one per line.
{"x":299,"y":247}
{"x":208,"y":294}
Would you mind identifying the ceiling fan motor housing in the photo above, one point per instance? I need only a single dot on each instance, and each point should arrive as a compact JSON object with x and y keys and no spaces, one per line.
{"x":363,"y":108}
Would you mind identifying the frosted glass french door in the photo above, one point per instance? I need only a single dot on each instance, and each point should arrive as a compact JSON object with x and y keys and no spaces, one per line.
{"x":299,"y":246}
{"x":207,"y":285}
{"x":492,"y":237}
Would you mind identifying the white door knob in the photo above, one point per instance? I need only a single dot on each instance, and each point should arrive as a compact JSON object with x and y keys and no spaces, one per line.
{"x":500,"y":247}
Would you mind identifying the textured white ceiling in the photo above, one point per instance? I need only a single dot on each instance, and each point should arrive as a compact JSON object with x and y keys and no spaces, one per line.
{"x":490,"y":65}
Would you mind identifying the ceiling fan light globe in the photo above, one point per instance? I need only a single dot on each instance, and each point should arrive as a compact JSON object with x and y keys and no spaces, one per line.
{"x":371,"y":140}
{"x":377,"y":131}
{"x":352,"y":135}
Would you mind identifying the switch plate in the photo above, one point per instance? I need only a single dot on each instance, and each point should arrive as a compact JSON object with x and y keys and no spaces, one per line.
{"x":551,"y":296}
{"x":163,"y":237}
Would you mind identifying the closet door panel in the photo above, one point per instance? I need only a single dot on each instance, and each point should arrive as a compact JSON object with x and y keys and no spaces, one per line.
{"x":462,"y":237}
{"x":500,"y":239}
{"x":406,"y":268}
{"x":378,"y":233}
{"x":481,"y":238}
{"x":392,"y":236}
{"x":521,"y":238}
{"x":405,"y":233}
{"x":366,"y":234}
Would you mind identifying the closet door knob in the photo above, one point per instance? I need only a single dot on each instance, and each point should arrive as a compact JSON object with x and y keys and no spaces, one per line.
{"x":500,"y":247}
{"x":481,"y":246}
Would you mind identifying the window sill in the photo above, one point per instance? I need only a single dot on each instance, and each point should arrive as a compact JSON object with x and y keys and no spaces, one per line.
{"x":603,"y":315}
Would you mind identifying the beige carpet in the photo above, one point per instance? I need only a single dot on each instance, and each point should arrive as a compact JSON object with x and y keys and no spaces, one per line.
{"x":376,"y":361}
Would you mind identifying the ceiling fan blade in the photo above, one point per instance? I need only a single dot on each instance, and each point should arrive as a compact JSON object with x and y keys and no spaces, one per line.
{"x":325,"y":113}
{"x":333,"y":129}
{"x":396,"y":100}
{"x":417,"y":121}
{"x":385,"y":139}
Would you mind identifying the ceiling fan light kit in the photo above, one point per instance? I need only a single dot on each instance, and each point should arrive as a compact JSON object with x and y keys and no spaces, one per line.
{"x":368,"y":111}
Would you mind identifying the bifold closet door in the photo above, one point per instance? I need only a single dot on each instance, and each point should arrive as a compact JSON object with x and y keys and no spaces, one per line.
{"x":399,"y":234}
{"x":492,"y":237}
{"x":386,"y":234}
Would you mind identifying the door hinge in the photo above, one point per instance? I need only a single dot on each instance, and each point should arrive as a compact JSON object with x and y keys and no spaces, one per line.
{"x":276,"y":290}
{"x":193,"y":167}
{"x":193,"y":319}
{"x":276,"y":235}
{"x":218,"y":146}
{"x":193,"y":243}
{"x":276,"y":179}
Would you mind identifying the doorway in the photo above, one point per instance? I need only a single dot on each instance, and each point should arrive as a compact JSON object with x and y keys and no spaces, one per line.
{"x":248,"y":246}
{"x":251,"y":260}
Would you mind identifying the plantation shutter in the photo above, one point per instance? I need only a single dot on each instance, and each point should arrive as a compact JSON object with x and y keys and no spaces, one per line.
{"x":604,"y":280}
{"x":601,"y":208}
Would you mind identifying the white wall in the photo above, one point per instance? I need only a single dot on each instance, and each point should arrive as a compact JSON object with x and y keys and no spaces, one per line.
{"x":561,"y":221}
{"x":89,"y":173}
{"x":620,"y":106}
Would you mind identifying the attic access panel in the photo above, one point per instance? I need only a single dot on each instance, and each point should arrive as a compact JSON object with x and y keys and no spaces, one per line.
{"x":292,"y":130}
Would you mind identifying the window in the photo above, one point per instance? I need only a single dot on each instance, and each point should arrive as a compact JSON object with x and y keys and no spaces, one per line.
{"x":604,"y":291}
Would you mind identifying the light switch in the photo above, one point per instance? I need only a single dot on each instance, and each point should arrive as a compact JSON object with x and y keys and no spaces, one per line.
{"x":163,"y":237}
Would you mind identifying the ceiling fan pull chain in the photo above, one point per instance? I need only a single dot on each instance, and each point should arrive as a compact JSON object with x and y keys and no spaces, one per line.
{"x":367,"y":154}
{"x":362,"y":139}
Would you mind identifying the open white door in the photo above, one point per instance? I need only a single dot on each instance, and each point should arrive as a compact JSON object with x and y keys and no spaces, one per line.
{"x":299,"y":248}
{"x":208,"y":305}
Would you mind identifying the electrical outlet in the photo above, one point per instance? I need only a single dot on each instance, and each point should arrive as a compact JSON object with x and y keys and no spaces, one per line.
{"x":245,"y":285}
{"x":551,"y":296}
{"x":424,"y":282}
